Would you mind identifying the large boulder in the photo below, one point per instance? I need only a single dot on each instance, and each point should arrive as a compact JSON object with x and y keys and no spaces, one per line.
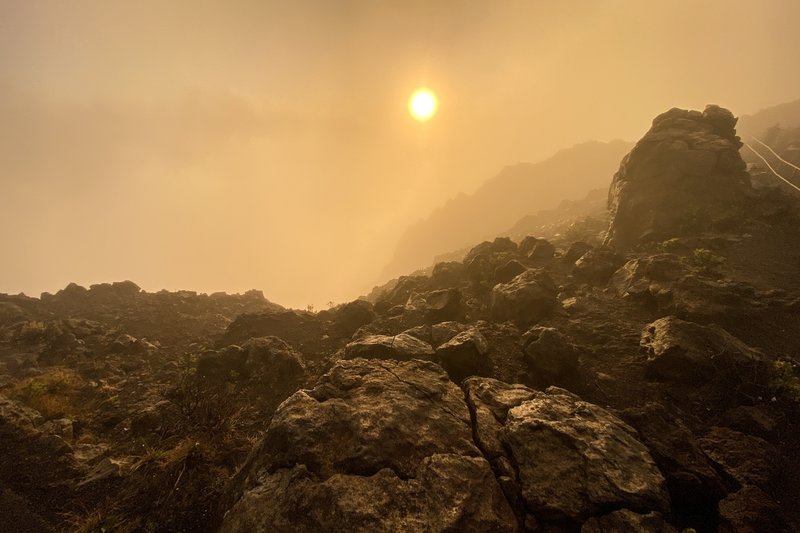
{"x":576,"y":460}
{"x":751,"y":510}
{"x":597,"y":265}
{"x":692,"y":481}
{"x":690,"y":353}
{"x":501,"y":245}
{"x":271,"y":359}
{"x":347,"y":318}
{"x":747,"y":459}
{"x":549,"y":353}
{"x":527,"y":298}
{"x":560,"y":459}
{"x":226,"y":364}
{"x":375,"y":446}
{"x":402,"y":347}
{"x":508,"y":271}
{"x":466,"y":354}
{"x":685,"y":175}
{"x":298,"y":328}
{"x":436,"y":306}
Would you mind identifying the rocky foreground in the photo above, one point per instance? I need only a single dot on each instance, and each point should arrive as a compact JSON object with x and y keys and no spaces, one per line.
{"x":641,"y":379}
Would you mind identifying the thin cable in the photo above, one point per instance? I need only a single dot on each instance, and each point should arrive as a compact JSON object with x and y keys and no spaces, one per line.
{"x":765,"y":145}
{"x":772,"y":169}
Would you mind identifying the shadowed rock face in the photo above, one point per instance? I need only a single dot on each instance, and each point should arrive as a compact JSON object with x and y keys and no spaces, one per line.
{"x":375,"y":446}
{"x":684,"y":175}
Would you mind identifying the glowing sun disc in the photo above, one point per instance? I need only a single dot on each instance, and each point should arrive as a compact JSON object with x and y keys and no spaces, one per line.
{"x":423,"y":104}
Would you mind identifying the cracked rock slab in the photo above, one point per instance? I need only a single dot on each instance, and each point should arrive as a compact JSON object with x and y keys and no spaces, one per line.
{"x":377,"y":445}
{"x":576,"y":460}
{"x":402,"y":347}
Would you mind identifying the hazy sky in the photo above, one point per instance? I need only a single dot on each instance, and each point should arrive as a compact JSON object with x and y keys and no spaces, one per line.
{"x":235,"y":145}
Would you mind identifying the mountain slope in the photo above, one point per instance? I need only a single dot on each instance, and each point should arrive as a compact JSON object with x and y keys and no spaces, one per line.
{"x":515,"y":192}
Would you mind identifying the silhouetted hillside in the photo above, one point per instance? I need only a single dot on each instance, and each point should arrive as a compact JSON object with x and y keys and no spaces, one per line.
{"x":517,"y":191}
{"x":787,"y":115}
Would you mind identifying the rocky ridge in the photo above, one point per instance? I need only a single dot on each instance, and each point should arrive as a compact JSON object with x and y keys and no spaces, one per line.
{"x":537,"y":385}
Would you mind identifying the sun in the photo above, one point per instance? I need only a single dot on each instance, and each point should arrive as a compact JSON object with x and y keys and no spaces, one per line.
{"x":423,"y":104}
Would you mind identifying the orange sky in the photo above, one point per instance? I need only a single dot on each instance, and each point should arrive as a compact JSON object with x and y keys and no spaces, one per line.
{"x":227,"y":146}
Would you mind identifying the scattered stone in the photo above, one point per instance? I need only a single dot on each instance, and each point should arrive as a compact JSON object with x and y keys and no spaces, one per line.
{"x":437,"y":306}
{"x":444,"y":331}
{"x":597,"y":265}
{"x":747,"y":459}
{"x":270,"y":359}
{"x":466,"y":354}
{"x":692,"y":480}
{"x":226,"y":364}
{"x":527,"y":298}
{"x":498,"y":246}
{"x":686,"y":352}
{"x":402,"y":347}
{"x":755,"y":420}
{"x":542,"y":253}
{"x":509,"y":271}
{"x":751,"y":510}
{"x":549,"y":353}
{"x":347,"y":318}
{"x":575,"y":251}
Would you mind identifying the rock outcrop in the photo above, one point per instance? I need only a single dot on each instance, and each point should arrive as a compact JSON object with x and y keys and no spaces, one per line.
{"x":352,"y":455}
{"x":685,"y":174}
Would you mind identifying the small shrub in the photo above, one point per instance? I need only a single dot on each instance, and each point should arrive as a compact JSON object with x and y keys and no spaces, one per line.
{"x":668,"y":246}
{"x":32,"y":331}
{"x":204,"y":405}
{"x":786,"y":381}
{"x":706,"y":261}
{"x":100,"y":520}
{"x":54,"y":394}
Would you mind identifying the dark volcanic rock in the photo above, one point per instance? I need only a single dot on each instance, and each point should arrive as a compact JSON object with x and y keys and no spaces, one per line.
{"x":597,"y":265}
{"x":349,"y":455}
{"x":549,"y":353}
{"x":689,"y":353}
{"x":684,"y":175}
{"x":466,"y":354}
{"x":509,"y":271}
{"x":437,"y":306}
{"x":692,"y":480}
{"x":527,"y":298}
{"x":488,"y":248}
{"x":542,"y":254}
{"x":576,"y":251}
{"x":576,"y":460}
{"x":747,"y":459}
{"x":448,"y":274}
{"x":402,"y":347}
{"x":347,"y":318}
{"x":225,"y":364}
{"x":751,"y":510}
{"x":444,"y":331}
{"x":565,"y":460}
{"x":295,"y":327}
{"x":271,"y":359}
